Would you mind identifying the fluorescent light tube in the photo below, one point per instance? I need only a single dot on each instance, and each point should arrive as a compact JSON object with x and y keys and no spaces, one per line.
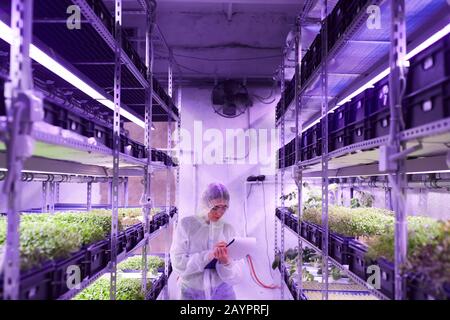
{"x":48,"y":62}
{"x":424,"y":45}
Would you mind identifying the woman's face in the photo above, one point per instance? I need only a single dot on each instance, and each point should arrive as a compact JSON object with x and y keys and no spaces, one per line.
{"x":218,"y":210}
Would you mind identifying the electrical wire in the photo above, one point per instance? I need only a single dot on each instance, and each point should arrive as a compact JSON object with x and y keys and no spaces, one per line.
{"x":255,"y":276}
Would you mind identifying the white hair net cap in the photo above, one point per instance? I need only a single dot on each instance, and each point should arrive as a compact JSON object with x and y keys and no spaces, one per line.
{"x":214,"y":191}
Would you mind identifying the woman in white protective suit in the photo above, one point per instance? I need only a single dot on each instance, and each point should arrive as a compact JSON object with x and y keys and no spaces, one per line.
{"x":200,"y":239}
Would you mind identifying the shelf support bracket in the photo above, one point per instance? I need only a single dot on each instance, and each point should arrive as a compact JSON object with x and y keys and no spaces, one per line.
{"x":23,"y":107}
{"x":146,"y":202}
{"x":298,"y":172}
{"x":396,"y":167}
{"x":325,"y":107}
{"x":116,"y":148}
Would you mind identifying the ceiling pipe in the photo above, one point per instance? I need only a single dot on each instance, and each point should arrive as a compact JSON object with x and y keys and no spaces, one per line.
{"x":430,"y":183}
{"x":61,"y":178}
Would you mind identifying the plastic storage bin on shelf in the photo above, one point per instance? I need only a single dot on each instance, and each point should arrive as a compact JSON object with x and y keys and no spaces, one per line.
{"x":35,"y":284}
{"x":387,"y":277}
{"x":428,"y":86}
{"x":379,"y":110}
{"x":131,"y":238}
{"x":339,"y":250}
{"x":358,"y":264}
{"x":100,"y":133}
{"x":336,"y":127}
{"x":98,"y":256}
{"x":337,"y":24}
{"x":63,"y":268}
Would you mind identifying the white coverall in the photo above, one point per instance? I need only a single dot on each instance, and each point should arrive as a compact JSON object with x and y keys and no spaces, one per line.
{"x":193,"y":240}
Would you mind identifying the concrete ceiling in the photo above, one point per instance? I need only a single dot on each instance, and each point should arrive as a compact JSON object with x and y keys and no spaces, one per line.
{"x":242,"y":39}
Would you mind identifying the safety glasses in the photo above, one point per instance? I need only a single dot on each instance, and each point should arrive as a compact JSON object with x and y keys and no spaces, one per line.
{"x":217,"y":208}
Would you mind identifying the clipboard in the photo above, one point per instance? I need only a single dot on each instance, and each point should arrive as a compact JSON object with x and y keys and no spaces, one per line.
{"x":212,"y":264}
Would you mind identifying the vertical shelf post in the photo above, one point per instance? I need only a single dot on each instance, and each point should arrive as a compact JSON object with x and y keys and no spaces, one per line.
{"x":23,"y":107}
{"x":44,"y":203}
{"x":396,"y":167}
{"x":52,"y":197}
{"x":125,"y":192}
{"x":168,"y":180}
{"x":146,"y":201}
{"x":179,"y":155}
{"x":283,"y":164}
{"x":298,"y":174}
{"x":89,"y":196}
{"x":324,"y":86}
{"x":116,"y":148}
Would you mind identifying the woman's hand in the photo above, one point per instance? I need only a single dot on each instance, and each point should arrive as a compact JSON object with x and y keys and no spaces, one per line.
{"x":221,"y":252}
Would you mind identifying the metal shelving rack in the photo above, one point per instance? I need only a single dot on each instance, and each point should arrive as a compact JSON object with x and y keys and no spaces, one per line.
{"x":336,"y":83}
{"x":42,"y":152}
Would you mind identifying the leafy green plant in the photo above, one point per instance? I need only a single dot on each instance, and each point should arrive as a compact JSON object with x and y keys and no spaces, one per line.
{"x":135,"y":263}
{"x":44,"y":240}
{"x":289,"y":196}
{"x":46,"y":237}
{"x":352,"y":222}
{"x":430,"y":266}
{"x":127,"y":289}
{"x":421,"y":232}
{"x":354,"y":203}
{"x":307,"y":276}
{"x":308,"y":255}
{"x":362,"y":199}
{"x":335,"y":273}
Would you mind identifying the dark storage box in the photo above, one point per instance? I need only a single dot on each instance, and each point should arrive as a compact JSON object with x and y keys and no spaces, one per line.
{"x":352,"y":8}
{"x":121,"y":242}
{"x":131,"y":238}
{"x":316,"y":133}
{"x":337,"y":24}
{"x":378,"y":98}
{"x":316,"y":236}
{"x":294,"y":223}
{"x":306,"y":153}
{"x":100,"y":133}
{"x":357,"y":255}
{"x":359,"y":107}
{"x":379,"y":124}
{"x":304,"y":229}
{"x":338,"y":140}
{"x":62,"y":272}
{"x":337,"y":119}
{"x":316,"y":149}
{"x":152,"y":226}
{"x":98,"y":256}
{"x":74,"y":123}
{"x":339,"y":250}
{"x":358,"y":132}
{"x":316,"y":50}
{"x":36,"y":284}
{"x":427,"y":105}
{"x":430,"y":67}
{"x":387,"y":277}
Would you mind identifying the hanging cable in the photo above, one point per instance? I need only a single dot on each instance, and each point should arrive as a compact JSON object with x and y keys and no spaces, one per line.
{"x":255,"y":277}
